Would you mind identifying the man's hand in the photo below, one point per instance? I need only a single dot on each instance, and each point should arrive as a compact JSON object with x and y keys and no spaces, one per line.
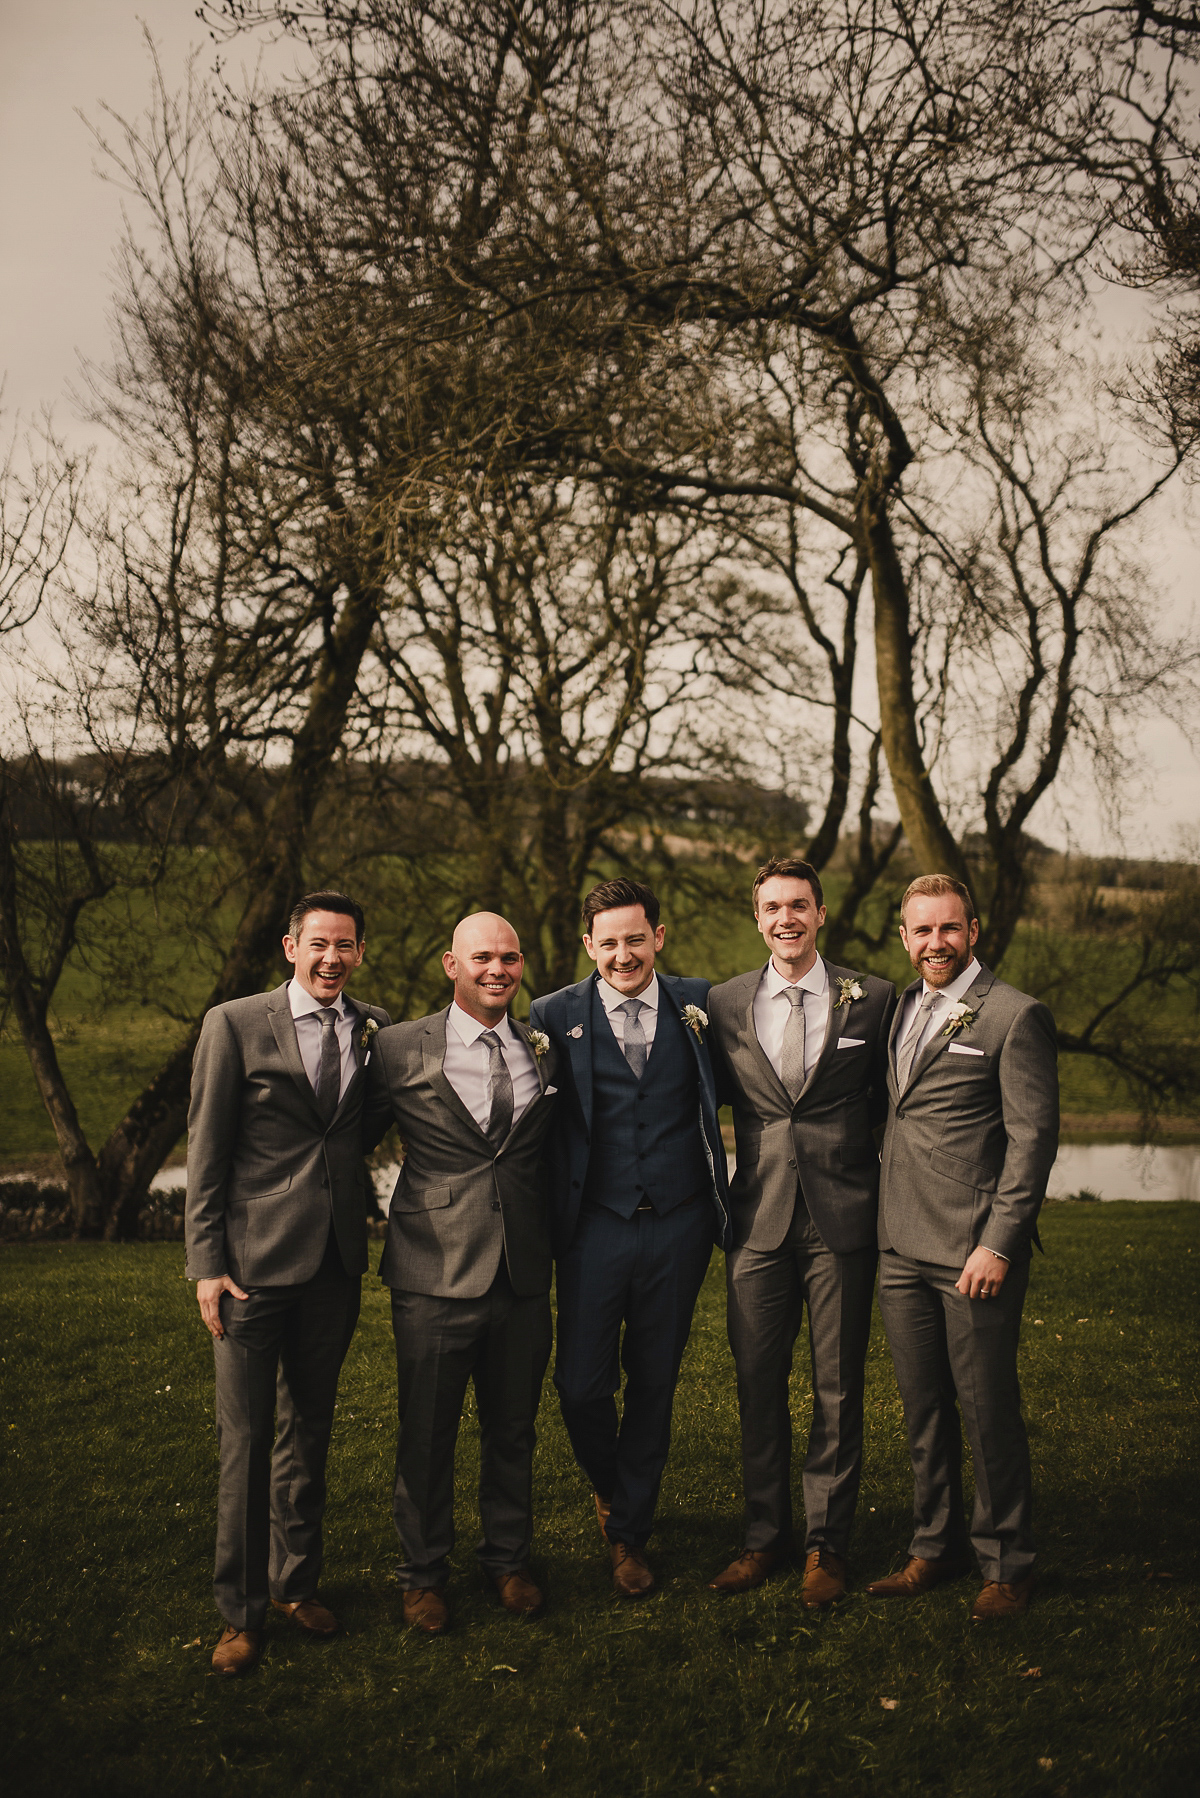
{"x":208,"y":1292}
{"x":983,"y":1276}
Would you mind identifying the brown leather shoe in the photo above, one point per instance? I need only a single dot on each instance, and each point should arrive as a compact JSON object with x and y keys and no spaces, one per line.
{"x":917,"y":1576}
{"x":1002,"y":1598}
{"x":237,"y":1652}
{"x":749,"y":1570}
{"x":824,"y":1578}
{"x":519,"y":1595}
{"x":603,"y":1507}
{"x":425,"y":1608}
{"x":632,"y":1577}
{"x":310,"y":1615}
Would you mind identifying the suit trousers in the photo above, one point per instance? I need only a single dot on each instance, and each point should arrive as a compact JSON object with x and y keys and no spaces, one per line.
{"x":947,"y":1348}
{"x":643,"y":1272}
{"x":502,"y":1344}
{"x":768,"y":1291}
{"x":277,"y":1369}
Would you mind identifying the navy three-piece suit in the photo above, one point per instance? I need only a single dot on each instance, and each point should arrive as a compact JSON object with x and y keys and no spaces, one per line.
{"x":639,"y":1195}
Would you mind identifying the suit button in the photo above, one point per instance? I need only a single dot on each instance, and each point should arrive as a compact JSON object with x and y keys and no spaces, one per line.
{"x":495,"y":1204}
{"x":574,"y":1186}
{"x":791,"y":1164}
{"x":325,"y":1182}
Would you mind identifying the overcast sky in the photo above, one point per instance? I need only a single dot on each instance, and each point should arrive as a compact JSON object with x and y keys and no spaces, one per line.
{"x":59,"y":226}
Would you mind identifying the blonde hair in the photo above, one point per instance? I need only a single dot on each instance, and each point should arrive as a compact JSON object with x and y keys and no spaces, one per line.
{"x":937,"y":886}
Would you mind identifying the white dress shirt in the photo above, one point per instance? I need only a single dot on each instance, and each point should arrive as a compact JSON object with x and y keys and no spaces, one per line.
{"x":468,"y":1063}
{"x":944,"y":998}
{"x":611,"y":997}
{"x":772,"y":1009}
{"x":305,"y":1015}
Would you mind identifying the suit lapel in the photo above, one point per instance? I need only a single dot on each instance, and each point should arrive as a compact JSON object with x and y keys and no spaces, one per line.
{"x":283,"y":1028}
{"x":580,"y":1010}
{"x":539,"y":1061}
{"x":360,"y":1054}
{"x":835,"y":1018}
{"x":939,"y":1042}
{"x":433,"y":1056}
{"x":748,"y":1035}
{"x":894,"y":1038}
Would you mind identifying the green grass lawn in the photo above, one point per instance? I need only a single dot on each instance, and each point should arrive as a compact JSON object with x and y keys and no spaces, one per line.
{"x":108,"y":1501}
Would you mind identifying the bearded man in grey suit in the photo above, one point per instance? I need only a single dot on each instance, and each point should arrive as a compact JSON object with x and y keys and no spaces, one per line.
{"x":468,"y":1261}
{"x":804,"y":1048}
{"x":970,"y":1142}
{"x":277,"y":1244}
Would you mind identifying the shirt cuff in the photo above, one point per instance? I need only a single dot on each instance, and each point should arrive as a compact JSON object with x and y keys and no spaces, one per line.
{"x":995,"y":1252}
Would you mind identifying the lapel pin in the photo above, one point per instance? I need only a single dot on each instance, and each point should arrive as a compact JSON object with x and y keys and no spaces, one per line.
{"x":577,"y":1032}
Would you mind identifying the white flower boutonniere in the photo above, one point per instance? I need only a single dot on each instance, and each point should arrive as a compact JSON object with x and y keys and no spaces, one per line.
{"x":369,"y":1029}
{"x":539,"y":1042}
{"x":696,"y":1020}
{"x":959,"y":1017}
{"x":849,"y":989}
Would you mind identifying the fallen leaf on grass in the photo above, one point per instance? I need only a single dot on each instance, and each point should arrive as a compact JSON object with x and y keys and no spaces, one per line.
{"x":1032,"y":1673}
{"x":578,"y":1732}
{"x":195,"y":1644}
{"x":1044,"y":1764}
{"x":889,"y":1704}
{"x":502,"y":1668}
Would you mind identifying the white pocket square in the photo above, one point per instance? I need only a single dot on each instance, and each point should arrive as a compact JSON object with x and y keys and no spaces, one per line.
{"x":548,"y":1091}
{"x":852,"y":1042}
{"x":965,"y":1049}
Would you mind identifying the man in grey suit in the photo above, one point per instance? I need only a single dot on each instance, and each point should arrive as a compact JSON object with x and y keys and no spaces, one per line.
{"x":804,"y":1047}
{"x":277,"y":1244}
{"x":970,"y":1142}
{"x":468,"y":1261}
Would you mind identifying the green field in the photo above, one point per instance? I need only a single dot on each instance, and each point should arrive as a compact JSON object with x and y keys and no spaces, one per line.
{"x":108,"y":1500}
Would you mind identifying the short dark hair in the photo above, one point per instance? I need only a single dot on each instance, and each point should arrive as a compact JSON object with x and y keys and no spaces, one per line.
{"x":788,"y":867}
{"x":337,"y":902}
{"x":938,"y":886}
{"x":611,"y":894}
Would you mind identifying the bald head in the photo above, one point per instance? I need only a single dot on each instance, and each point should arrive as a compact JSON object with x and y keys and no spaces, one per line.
{"x":485,"y":963}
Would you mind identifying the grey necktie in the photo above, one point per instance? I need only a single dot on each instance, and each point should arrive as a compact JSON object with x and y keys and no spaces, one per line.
{"x":791,"y":1065}
{"x":633,"y":1039}
{"x":500,"y":1091}
{"x":329,"y":1074}
{"x":908,"y":1048}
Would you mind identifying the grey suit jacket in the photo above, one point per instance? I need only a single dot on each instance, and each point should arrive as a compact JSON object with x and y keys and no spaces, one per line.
{"x":970,"y":1143}
{"x":459,"y":1203}
{"x":820,"y":1142}
{"x":265,"y":1174}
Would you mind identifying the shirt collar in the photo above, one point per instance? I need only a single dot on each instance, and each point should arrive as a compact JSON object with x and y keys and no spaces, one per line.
{"x":469,"y":1030}
{"x":611,"y":997}
{"x":958,"y":987}
{"x":815,"y":981}
{"x":303,"y":1004}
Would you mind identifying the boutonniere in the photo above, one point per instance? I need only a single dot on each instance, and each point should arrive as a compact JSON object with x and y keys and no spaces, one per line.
{"x":696,"y":1020}
{"x":849,"y":989}
{"x":539,"y":1042}
{"x":959,"y":1017}
{"x":369,"y":1029}
{"x":576,"y":1031}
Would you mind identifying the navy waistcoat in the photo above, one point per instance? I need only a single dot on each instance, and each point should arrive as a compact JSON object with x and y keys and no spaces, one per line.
{"x":645,"y":1140}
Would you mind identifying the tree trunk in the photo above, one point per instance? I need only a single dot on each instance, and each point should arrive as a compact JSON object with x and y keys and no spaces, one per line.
{"x":928,"y":834}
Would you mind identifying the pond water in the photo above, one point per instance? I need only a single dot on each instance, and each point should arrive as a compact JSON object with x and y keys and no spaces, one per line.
{"x":1111,"y":1170}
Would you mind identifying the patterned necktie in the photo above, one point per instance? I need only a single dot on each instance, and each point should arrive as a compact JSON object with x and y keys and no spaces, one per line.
{"x":791,"y":1064}
{"x":908,"y":1048}
{"x":500,"y":1091}
{"x":633,"y":1039}
{"x":329,"y":1074}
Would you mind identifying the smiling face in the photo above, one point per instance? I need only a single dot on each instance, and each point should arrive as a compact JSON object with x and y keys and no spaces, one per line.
{"x":485,"y":963}
{"x":325,"y":954}
{"x":789,"y":917}
{"x":938,"y":938}
{"x":623,"y":944}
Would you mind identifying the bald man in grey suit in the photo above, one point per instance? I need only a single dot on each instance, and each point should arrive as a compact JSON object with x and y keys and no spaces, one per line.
{"x":468,"y":1261}
{"x":971,"y":1138}
{"x":277,"y":1244}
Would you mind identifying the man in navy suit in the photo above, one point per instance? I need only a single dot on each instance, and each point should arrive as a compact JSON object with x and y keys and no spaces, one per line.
{"x":639,"y":1195}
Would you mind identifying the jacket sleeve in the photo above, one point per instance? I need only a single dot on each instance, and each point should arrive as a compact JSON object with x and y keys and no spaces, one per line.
{"x":878,"y":1103}
{"x":378,"y":1112}
{"x":214,"y":1118}
{"x":1029,"y":1102}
